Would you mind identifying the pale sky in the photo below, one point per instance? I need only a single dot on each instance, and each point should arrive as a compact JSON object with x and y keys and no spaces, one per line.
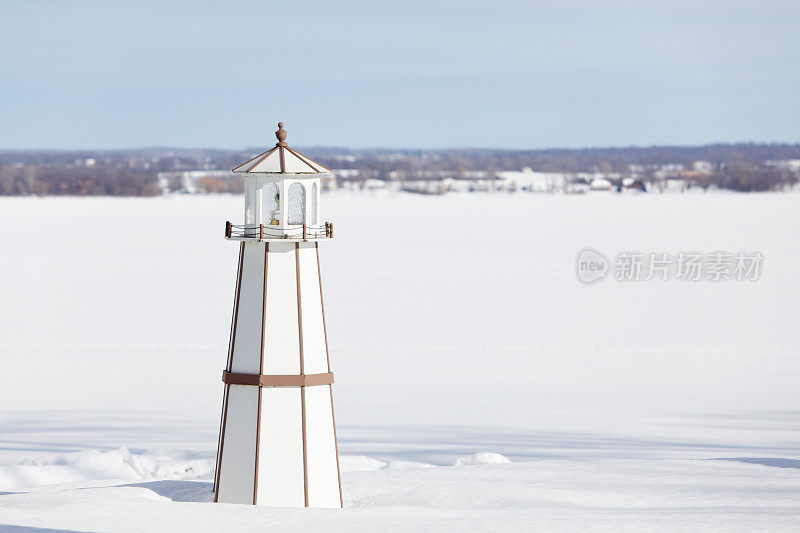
{"x":427,"y":74}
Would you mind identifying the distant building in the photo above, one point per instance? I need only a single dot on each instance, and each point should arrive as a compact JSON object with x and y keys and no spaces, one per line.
{"x":636,"y":169}
{"x":347,"y":173}
{"x":343,"y":158}
{"x":426,"y":186}
{"x":633,"y":185}
{"x":790,"y":164}
{"x":188,"y":180}
{"x":529,"y":180}
{"x":670,"y":170}
{"x":577,"y":188}
{"x":703,"y":166}
{"x":328,"y":182}
{"x":675,"y":185}
{"x":372,"y":184}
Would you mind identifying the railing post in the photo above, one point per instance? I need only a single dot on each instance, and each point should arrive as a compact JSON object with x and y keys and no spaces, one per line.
{"x":331,"y":229}
{"x":228,"y":229}
{"x":304,"y":231}
{"x":261,"y":231}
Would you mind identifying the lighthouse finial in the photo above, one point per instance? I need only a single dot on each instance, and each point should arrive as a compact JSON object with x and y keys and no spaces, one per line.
{"x":281,"y":135}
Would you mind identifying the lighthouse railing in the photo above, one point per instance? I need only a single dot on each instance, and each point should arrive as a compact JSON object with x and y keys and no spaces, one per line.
{"x":264,"y":231}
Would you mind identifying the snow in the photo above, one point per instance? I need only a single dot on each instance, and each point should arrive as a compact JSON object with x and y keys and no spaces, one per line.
{"x":99,"y":465}
{"x":651,"y":404}
{"x":541,"y":495}
{"x":359,"y":463}
{"x":482,"y":458}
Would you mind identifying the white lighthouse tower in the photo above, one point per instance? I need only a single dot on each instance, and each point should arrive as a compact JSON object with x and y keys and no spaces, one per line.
{"x":277,"y":443}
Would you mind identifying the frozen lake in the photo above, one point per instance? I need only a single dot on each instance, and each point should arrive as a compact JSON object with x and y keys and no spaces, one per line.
{"x":456,"y":325}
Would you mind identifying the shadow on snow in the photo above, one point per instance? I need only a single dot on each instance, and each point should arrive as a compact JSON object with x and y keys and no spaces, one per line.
{"x":179,"y":491}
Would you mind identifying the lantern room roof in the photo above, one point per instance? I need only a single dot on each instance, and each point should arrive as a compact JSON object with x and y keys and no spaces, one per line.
{"x":282,"y":160}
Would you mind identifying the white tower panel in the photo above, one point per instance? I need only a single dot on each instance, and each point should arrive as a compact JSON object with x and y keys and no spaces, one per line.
{"x":280,"y":456}
{"x":323,"y":470}
{"x":314,"y":348}
{"x":282,"y":345}
{"x":237,"y":468}
{"x":247,"y":344}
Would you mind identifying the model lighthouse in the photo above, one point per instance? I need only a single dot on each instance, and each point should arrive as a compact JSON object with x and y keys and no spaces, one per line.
{"x":277,"y":443}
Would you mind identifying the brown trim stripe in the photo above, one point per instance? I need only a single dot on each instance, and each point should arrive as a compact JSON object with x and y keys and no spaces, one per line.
{"x":217,"y":473}
{"x":277,"y":380}
{"x":231,"y":343}
{"x":304,"y":156}
{"x":260,"y":371}
{"x":300,"y":157}
{"x":235,"y":318}
{"x":302,"y":371}
{"x":262,"y":155}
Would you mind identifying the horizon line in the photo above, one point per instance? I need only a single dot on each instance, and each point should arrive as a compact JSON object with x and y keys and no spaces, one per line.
{"x":390,"y":148}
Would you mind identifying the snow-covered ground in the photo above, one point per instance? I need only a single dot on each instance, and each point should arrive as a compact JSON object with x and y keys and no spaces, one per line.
{"x":456,"y":326}
{"x":613,"y":495}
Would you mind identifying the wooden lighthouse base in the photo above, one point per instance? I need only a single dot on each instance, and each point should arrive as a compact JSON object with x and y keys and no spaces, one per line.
{"x":277,"y":443}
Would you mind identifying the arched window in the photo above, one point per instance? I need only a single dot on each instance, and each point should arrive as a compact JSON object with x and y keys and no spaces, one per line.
{"x":313,"y":214}
{"x":297,"y":203}
{"x":269,"y":203}
{"x":250,"y":204}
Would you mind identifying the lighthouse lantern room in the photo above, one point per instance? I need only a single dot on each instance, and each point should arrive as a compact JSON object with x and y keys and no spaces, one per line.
{"x":277,"y":441}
